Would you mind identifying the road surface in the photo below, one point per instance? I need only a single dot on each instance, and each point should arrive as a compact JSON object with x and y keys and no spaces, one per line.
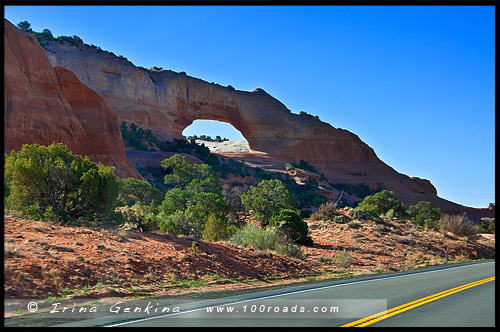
{"x":457,"y":295}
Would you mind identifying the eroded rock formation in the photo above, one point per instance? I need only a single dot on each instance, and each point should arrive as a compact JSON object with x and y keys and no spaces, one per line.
{"x":167,"y":102}
{"x":44,"y":104}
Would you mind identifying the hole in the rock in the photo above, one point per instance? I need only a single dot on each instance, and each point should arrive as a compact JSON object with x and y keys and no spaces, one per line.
{"x":218,"y":136}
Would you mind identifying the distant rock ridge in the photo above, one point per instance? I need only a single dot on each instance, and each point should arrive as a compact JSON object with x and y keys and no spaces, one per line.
{"x":44,"y":105}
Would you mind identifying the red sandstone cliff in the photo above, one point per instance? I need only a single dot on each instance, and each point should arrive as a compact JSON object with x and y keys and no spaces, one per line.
{"x":43,"y":105}
{"x":167,"y":102}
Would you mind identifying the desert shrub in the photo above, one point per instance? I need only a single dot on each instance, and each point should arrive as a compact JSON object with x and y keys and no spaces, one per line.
{"x":340,"y":219}
{"x":233,"y":199}
{"x":169,"y":227}
{"x":459,"y":225}
{"x":344,"y":259}
{"x":327,"y":211}
{"x":359,"y":214}
{"x":354,"y":225}
{"x":267,"y":198}
{"x":306,"y":213}
{"x":360,"y":190}
{"x":217,"y":228}
{"x":288,"y":249}
{"x":52,"y":181}
{"x":304,"y":165}
{"x":183,"y":221}
{"x":380,"y":228}
{"x":410,"y":240}
{"x":356,"y":235}
{"x":255,"y":237}
{"x":487,"y":226}
{"x":424,"y":214}
{"x":229,"y":166}
{"x":142,"y":217}
{"x":291,"y":224}
{"x":381,"y":203}
{"x":259,"y":238}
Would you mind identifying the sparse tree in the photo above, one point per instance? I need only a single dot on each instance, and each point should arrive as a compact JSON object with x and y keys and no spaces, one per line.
{"x":139,"y":190}
{"x":25,"y":26}
{"x":50,"y":178}
{"x":381,"y":203}
{"x":267,"y":198}
{"x":424,"y":214}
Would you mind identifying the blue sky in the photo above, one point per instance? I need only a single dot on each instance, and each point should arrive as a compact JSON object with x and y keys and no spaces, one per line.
{"x":417,"y":84}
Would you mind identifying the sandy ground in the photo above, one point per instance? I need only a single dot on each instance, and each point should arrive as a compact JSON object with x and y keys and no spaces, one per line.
{"x":43,"y":259}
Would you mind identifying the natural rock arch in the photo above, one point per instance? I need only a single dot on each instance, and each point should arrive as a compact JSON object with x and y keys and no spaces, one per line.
{"x":167,"y":102}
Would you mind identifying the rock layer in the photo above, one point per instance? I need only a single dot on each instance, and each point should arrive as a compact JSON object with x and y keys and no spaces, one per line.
{"x":167,"y":102}
{"x":44,"y":105}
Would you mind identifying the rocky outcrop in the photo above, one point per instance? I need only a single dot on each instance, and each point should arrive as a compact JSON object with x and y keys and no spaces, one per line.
{"x":167,"y":102}
{"x":44,"y":104}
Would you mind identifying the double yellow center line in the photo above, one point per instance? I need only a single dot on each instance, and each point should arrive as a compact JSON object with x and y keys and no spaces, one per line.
{"x":410,"y":305}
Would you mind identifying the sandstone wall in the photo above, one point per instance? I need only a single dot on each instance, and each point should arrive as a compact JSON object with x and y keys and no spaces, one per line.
{"x":44,"y":105}
{"x":167,"y":102}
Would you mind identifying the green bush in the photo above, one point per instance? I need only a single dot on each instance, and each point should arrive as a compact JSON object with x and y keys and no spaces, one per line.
{"x":359,"y":214}
{"x":170,"y":227}
{"x":49,"y":181}
{"x":354,"y":225}
{"x":142,"y":217}
{"x":143,"y":191}
{"x":175,"y":200}
{"x":304,"y":165}
{"x":380,"y":204}
{"x":360,"y":190}
{"x":217,"y":228}
{"x":203,"y":204}
{"x":340,"y":219}
{"x":180,"y":223}
{"x":424,"y":214}
{"x":487,"y":226}
{"x":253,"y":236}
{"x":267,"y":198}
{"x":190,"y":176}
{"x":291,"y":224}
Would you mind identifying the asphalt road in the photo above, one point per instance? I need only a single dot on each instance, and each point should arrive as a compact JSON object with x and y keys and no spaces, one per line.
{"x":446,"y":296}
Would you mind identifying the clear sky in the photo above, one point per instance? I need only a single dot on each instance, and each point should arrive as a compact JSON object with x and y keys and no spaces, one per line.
{"x":417,"y":84}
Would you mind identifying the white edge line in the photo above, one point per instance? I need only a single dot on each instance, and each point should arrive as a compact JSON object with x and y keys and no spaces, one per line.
{"x":295,"y":292}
